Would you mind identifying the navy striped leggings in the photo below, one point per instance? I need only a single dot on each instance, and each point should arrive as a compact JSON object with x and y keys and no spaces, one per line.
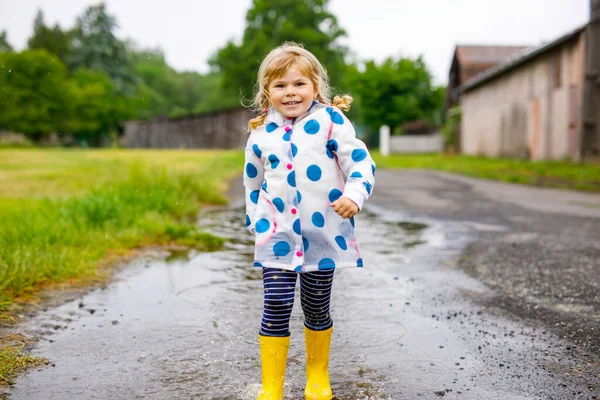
{"x":315,"y":293}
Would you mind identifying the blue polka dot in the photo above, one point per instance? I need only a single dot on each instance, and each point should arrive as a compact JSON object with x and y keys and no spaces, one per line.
{"x":271,"y":127}
{"x":318,"y":220}
{"x":299,"y":197}
{"x":298,"y":268}
{"x":326,"y":263}
{"x":281,"y":249}
{"x":291,"y":178}
{"x":312,"y":127}
{"x":341,"y":242}
{"x":264,"y":186}
{"x":334,"y":195}
{"x":262,"y":225}
{"x":278,"y":202}
{"x":359,"y":262}
{"x":359,"y":155}
{"x":247,"y":221}
{"x":352,"y":221}
{"x":332,"y":147}
{"x":287,"y":136}
{"x":257,"y":151}
{"x":356,"y":175}
{"x":329,"y":110}
{"x":367,"y":186}
{"x":313,"y":172}
{"x":294,"y":150}
{"x":296,"y":227}
{"x":257,"y":264}
{"x":254,"y":196}
{"x":373,"y":169}
{"x":251,"y":170}
{"x":305,"y":243}
{"x":274,"y":161}
{"x":337,"y":118}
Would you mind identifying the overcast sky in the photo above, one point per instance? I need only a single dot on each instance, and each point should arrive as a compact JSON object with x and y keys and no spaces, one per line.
{"x":189,"y":31}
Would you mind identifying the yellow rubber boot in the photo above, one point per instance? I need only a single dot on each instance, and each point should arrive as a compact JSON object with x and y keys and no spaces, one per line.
{"x":317,"y":364}
{"x":273,"y":355}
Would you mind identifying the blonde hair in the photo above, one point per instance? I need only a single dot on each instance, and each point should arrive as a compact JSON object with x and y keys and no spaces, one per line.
{"x":274,"y":66}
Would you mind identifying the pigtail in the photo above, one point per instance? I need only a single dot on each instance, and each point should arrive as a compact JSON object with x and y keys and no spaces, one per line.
{"x":257,"y":121}
{"x":343,"y":103}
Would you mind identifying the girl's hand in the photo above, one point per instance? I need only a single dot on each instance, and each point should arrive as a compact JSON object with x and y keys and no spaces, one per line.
{"x":345,"y":207}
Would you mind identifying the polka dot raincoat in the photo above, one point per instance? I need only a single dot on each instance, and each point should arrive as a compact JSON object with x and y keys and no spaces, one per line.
{"x":294,"y":170}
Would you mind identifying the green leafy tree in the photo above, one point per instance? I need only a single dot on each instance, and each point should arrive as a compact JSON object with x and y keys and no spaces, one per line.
{"x":95,"y":47}
{"x":98,"y":108}
{"x":213,"y":96}
{"x":160,"y":88}
{"x":168,"y":92}
{"x":272,"y":22}
{"x":54,"y":40}
{"x":395,"y":92}
{"x":34,"y":95}
{"x":5,"y":47}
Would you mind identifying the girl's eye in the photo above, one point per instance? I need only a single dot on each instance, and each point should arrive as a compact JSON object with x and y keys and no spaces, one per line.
{"x":300,"y":84}
{"x":279,"y":85}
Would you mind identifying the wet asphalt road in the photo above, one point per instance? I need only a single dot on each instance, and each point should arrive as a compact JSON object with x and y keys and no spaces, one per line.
{"x":458,"y":299}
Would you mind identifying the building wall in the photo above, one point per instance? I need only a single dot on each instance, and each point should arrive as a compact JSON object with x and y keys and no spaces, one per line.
{"x":531,"y":111}
{"x":219,"y":130}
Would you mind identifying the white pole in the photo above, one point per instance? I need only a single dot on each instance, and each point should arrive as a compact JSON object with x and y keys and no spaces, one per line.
{"x":384,"y":140}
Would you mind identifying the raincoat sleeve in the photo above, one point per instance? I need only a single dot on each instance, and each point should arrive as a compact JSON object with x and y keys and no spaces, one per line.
{"x":253,"y":179}
{"x":353,"y":158}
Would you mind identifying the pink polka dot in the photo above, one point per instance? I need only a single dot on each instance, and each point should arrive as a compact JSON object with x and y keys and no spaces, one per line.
{"x":294,"y":211}
{"x":299,"y":253}
{"x":289,"y":166}
{"x":287,"y":128}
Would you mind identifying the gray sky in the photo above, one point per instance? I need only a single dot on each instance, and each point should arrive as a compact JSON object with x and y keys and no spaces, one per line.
{"x":189,"y":31}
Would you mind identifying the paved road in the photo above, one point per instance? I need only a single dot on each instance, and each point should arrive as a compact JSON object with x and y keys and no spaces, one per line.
{"x":471,"y":290}
{"x":539,"y":249}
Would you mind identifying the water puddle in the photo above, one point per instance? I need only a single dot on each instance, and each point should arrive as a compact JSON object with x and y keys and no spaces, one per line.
{"x":185,"y":326}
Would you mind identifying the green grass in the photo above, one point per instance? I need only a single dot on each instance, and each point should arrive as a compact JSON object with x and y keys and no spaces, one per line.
{"x":65,"y":212}
{"x":552,"y":174}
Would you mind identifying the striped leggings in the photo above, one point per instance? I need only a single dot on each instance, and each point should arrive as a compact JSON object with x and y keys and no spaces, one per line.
{"x":315,"y":293}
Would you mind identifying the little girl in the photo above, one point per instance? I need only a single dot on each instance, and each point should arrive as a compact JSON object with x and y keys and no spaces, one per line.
{"x":306,"y":176}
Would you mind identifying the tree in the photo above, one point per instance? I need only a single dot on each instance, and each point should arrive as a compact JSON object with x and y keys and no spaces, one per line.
{"x":168,"y":92}
{"x":95,"y":47}
{"x":5,"y":47}
{"x":54,"y":40}
{"x":272,"y":22}
{"x":34,"y":95}
{"x":97,"y":107}
{"x":395,"y":92}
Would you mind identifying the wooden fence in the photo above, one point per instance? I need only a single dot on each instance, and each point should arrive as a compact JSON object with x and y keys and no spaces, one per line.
{"x":216,"y":130}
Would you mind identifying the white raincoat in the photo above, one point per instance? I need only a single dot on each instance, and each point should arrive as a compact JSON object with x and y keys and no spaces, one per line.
{"x":294,"y":170}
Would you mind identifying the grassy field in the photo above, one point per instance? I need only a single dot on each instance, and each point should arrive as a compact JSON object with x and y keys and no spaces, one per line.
{"x":67,"y":213}
{"x":552,"y":174}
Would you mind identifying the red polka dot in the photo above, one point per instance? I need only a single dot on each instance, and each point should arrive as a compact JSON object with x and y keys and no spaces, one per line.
{"x":299,"y":253}
{"x":289,"y":166}
{"x":294,"y":211}
{"x":287,"y":128}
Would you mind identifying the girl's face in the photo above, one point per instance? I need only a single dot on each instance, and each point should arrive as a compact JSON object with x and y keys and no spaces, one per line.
{"x":292,"y":94}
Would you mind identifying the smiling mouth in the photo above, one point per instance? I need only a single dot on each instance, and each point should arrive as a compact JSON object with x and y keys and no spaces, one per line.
{"x":292,"y":103}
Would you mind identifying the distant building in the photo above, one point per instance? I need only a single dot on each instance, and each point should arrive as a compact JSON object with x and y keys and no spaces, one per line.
{"x":471,"y":60}
{"x":542,"y":104}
